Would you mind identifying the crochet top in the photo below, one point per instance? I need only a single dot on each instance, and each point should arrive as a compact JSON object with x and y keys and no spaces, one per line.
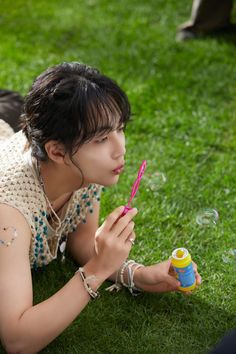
{"x":21,"y":189}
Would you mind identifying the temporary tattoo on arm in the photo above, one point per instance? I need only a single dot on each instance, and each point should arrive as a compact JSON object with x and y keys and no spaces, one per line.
{"x":10,"y":233}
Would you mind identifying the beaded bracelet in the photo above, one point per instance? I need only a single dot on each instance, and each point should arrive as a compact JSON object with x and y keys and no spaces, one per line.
{"x":86,"y":280}
{"x":123,"y":268}
{"x":130,"y":275}
{"x":131,"y":267}
{"x":131,"y":286}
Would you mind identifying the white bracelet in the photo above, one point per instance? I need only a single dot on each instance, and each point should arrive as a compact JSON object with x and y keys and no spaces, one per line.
{"x":86,"y":280}
{"x":124,"y":266}
{"x":131,"y":266}
{"x":130,"y":272}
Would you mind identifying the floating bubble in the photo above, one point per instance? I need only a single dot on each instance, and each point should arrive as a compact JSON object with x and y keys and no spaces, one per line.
{"x":155,"y":180}
{"x":229,"y":256}
{"x":207,"y":217}
{"x":232,"y":252}
{"x":225,"y":259}
{"x":227,"y":191}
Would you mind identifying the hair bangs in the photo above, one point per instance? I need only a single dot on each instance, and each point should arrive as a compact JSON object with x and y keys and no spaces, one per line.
{"x":103,"y":113}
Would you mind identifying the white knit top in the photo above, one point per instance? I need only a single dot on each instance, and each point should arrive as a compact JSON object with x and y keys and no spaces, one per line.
{"x":5,"y":130}
{"x":21,"y":189}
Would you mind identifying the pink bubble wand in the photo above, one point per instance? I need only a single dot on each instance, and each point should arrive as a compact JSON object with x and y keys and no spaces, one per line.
{"x":135,"y":187}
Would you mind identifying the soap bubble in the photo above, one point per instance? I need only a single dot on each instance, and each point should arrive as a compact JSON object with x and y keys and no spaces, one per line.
{"x":232,"y":252}
{"x":207,"y":217}
{"x":229,"y":256}
{"x":226,"y":258}
{"x":155,"y":180}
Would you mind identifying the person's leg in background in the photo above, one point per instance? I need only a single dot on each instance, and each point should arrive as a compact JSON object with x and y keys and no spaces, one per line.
{"x":227,"y":345}
{"x":206,"y":16}
{"x":11,"y":105}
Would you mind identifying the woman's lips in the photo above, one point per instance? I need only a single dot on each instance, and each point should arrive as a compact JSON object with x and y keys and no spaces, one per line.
{"x":118,"y":170}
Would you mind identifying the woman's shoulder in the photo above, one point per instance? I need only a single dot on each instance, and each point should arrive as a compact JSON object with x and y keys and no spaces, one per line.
{"x":15,"y":234}
{"x":11,"y":217}
{"x":5,"y":130}
{"x":19,"y":187}
{"x":13,"y":158}
{"x":12,"y":145}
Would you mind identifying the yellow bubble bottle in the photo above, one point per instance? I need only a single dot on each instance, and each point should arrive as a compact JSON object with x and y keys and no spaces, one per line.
{"x":183,"y":266}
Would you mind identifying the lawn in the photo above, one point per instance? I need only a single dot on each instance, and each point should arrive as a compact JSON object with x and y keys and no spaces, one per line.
{"x":184,"y":125}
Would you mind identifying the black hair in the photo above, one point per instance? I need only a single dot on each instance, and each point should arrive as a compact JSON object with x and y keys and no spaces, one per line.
{"x":72,"y":103}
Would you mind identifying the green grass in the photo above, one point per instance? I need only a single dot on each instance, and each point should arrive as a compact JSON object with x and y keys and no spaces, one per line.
{"x":183,"y":101}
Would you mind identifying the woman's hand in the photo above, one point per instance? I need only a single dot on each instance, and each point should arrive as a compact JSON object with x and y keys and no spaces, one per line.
{"x":113,"y":241}
{"x":160,"y":277}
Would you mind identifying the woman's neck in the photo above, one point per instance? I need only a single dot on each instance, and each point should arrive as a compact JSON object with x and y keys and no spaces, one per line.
{"x":57,"y":181}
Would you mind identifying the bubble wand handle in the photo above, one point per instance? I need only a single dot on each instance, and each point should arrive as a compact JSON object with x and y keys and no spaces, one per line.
{"x":137,"y":182}
{"x":135,"y":187}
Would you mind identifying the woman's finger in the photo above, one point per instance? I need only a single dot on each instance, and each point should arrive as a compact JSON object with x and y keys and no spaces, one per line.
{"x":112,"y":218}
{"x":127,"y":231}
{"x":122,"y":223}
{"x":198,"y":279}
{"x":197,"y":275}
{"x":194,"y":266}
{"x":131,"y":238}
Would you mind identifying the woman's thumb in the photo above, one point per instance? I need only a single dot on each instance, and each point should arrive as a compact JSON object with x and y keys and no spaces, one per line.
{"x":173,"y":282}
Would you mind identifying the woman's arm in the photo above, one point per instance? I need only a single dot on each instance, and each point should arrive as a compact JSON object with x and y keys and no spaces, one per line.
{"x":25,"y":328}
{"x":81,"y":243}
{"x":154,"y":278}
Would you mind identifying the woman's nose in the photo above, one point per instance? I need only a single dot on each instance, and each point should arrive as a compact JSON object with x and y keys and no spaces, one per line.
{"x":119,"y":147}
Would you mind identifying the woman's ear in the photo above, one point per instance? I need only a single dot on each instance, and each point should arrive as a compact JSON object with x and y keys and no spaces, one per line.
{"x":55,"y":151}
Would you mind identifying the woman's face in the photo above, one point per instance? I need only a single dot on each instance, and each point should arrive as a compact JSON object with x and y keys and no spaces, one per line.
{"x":102,"y":159}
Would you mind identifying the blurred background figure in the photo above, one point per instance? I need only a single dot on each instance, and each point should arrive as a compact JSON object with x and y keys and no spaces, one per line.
{"x":11,"y":105}
{"x":207,"y":16}
{"x":227,"y":345}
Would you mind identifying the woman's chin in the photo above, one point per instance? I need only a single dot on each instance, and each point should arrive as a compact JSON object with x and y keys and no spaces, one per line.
{"x":106,"y":183}
{"x":111,"y":182}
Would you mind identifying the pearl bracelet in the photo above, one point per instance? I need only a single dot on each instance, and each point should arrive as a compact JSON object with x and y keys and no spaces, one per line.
{"x":86,"y":280}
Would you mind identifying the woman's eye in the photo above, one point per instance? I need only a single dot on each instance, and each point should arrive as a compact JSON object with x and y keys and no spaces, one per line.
{"x":99,"y":141}
{"x":121,"y":129}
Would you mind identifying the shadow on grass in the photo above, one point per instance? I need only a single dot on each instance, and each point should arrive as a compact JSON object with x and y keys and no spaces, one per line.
{"x":118,"y":323}
{"x":188,"y":323}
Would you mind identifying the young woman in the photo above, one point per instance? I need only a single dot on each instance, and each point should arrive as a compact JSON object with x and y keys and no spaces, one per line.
{"x":72,"y":142}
